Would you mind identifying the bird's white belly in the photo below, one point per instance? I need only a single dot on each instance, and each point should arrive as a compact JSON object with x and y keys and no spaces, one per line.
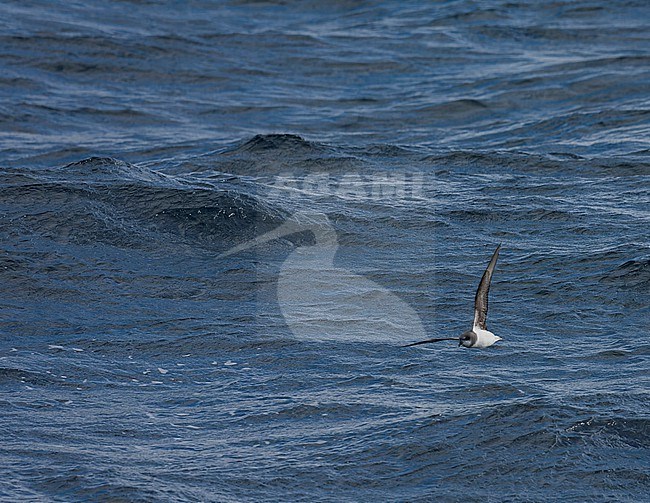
{"x":484,"y":338}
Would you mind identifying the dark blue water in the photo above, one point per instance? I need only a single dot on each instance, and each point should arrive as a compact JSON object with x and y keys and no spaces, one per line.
{"x":400,"y":142}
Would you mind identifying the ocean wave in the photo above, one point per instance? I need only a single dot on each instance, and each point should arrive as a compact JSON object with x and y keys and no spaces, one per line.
{"x":633,"y":274}
{"x":114,"y":202}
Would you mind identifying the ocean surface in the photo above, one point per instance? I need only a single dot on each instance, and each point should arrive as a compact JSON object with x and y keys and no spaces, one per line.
{"x":157,"y":344}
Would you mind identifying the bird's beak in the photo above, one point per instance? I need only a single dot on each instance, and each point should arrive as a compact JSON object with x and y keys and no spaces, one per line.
{"x":289,"y":227}
{"x":460,"y":342}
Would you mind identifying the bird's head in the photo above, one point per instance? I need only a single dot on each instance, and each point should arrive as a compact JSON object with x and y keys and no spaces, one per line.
{"x":467,"y":339}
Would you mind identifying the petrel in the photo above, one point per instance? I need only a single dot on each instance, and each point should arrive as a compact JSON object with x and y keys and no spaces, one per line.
{"x":479,"y":336}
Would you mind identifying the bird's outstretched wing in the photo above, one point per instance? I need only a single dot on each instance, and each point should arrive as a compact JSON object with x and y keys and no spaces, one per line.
{"x":431,"y":340}
{"x":481,"y":299}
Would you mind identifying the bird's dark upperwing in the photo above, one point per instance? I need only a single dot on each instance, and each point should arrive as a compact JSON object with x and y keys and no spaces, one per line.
{"x":481,"y":299}
{"x":431,"y":340}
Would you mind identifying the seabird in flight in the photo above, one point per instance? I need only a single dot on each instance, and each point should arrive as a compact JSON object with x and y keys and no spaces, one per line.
{"x":479,"y":336}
